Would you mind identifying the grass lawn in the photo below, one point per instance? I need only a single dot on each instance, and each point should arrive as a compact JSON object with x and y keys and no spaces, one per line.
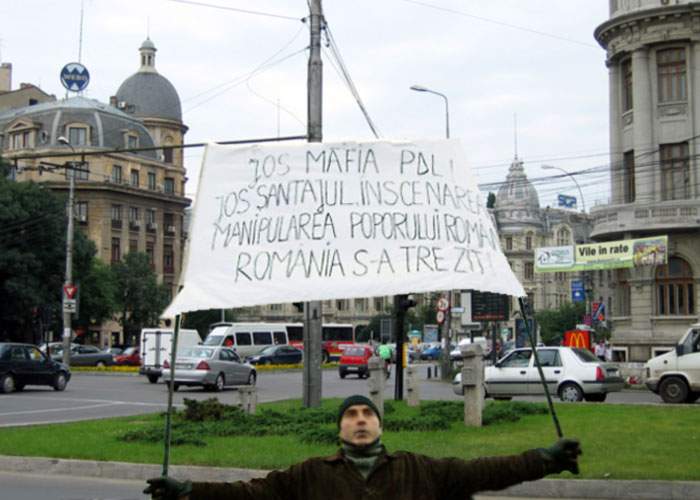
{"x":618,"y":441}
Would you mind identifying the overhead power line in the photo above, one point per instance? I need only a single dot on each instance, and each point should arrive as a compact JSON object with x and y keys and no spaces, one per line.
{"x":501,"y":23}
{"x":234,"y":9}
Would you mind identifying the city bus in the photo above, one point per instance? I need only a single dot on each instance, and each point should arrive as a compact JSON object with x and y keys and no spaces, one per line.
{"x":334,"y":337}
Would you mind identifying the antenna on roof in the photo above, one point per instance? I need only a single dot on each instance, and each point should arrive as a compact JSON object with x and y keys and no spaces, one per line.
{"x":80,"y":40}
{"x":148,"y":27}
{"x":515,"y":133}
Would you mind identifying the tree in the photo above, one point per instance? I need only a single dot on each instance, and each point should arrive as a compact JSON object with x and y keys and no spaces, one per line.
{"x":139,"y":298}
{"x":32,"y":258}
{"x":554,"y":322}
{"x":96,"y":284}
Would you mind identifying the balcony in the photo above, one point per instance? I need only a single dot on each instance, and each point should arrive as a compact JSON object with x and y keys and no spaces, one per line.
{"x":656,"y":216}
{"x":170,"y":230}
{"x":116,"y":224}
{"x":151,"y":227}
{"x":134,"y":225}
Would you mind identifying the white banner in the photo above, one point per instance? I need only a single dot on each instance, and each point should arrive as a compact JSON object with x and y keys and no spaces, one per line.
{"x":293,"y":223}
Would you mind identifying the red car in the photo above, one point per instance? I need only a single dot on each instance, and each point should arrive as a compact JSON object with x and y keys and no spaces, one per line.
{"x":130,"y":357}
{"x":354,"y":360}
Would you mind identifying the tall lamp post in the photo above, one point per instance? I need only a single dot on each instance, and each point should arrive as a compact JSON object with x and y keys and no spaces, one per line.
{"x":420,"y":88}
{"x":448,"y":316}
{"x":552,"y":167}
{"x":69,"y":255}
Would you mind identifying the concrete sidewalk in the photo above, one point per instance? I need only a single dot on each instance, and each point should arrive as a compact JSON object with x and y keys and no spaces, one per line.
{"x":544,"y":488}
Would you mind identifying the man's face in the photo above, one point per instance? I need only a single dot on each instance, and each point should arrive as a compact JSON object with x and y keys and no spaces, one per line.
{"x":360,"y":425}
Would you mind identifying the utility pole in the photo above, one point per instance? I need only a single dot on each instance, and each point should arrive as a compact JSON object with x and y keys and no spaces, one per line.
{"x":67,"y":329}
{"x":312,"y":310}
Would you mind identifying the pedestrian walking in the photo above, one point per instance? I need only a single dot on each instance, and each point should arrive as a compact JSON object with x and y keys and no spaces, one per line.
{"x":385,"y":354}
{"x":363,"y":468}
{"x":599,"y":350}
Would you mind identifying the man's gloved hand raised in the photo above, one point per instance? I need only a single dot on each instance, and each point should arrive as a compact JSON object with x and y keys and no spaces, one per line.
{"x":561,"y":456}
{"x":167,"y":488}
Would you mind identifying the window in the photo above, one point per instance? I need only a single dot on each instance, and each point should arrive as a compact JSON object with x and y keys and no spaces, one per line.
{"x":675,"y":171}
{"x":81,"y":212}
{"x":168,"y":155}
{"x":134,"y":214}
{"x":628,"y":182}
{"x":20,"y":140}
{"x":624,"y":294}
{"x":280,"y":338}
{"x":342,"y":304}
{"x":549,"y":357}
{"x":169,"y":185}
{"x":116,"y":250}
{"x":672,"y":74}
{"x":563,"y":237}
{"x":509,"y":243}
{"x":116,"y":212}
{"x":135,"y":178}
{"x":78,"y":136}
{"x":627,"y":102}
{"x":132,"y":141}
{"x":152,"y":181}
{"x":133,"y":246}
{"x":379,"y":304}
{"x":81,"y":171}
{"x":168,"y":259}
{"x":169,"y":223}
{"x":117,"y":174}
{"x":528,"y":242}
{"x":519,"y":359}
{"x":675,"y":293}
{"x":243,"y":338}
{"x":529,"y":271}
{"x":262,"y":338}
{"x":361,"y":305}
{"x":150,"y":252}
{"x":150,"y":216}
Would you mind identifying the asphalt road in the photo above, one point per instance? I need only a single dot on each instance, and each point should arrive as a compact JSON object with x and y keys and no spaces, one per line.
{"x":90,"y":396}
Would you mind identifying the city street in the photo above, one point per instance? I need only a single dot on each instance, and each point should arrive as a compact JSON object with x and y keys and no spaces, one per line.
{"x":90,"y":396}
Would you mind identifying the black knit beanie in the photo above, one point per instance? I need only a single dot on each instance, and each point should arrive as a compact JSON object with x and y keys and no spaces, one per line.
{"x":357,"y":400}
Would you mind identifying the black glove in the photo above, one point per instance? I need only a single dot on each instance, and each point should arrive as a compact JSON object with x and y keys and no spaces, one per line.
{"x":561,"y":456}
{"x":167,"y":488}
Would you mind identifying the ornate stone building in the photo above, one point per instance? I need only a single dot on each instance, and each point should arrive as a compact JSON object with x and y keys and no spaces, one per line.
{"x":124,"y":201}
{"x":523,"y":226}
{"x":653,"y":56}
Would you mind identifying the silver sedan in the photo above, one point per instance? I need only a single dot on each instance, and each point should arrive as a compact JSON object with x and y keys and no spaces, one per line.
{"x":213,"y":368}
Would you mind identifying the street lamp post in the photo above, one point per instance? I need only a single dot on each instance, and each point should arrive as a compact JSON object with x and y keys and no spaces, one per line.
{"x":420,"y":88}
{"x":552,"y":167}
{"x":70,"y":172}
{"x":448,"y":316}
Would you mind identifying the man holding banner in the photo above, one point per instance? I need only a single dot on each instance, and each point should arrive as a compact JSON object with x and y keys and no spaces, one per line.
{"x":279,"y":224}
{"x":363,"y":468}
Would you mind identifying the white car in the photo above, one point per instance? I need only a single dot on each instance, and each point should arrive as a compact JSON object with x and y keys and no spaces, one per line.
{"x":456,"y":353}
{"x":572,"y":374}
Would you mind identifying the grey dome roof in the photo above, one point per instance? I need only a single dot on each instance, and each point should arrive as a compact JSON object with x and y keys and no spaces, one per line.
{"x":517,"y":201}
{"x":150,"y":95}
{"x":148,"y":44}
{"x":107,"y":124}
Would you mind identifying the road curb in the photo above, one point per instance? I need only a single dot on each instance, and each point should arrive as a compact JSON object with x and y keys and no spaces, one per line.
{"x":544,"y":488}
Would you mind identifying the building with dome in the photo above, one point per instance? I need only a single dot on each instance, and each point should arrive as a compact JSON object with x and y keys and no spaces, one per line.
{"x":522,"y":226}
{"x":653,"y":55}
{"x":125,"y":201}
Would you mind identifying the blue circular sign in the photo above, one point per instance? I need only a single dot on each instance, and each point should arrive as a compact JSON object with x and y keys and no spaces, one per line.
{"x":75,"y":77}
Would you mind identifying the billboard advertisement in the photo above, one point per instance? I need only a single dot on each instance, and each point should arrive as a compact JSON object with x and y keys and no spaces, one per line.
{"x":604,"y":255}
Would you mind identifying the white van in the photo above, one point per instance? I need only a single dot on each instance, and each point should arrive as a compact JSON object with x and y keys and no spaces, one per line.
{"x":247,"y":338}
{"x":675,"y":375}
{"x":156,"y":347}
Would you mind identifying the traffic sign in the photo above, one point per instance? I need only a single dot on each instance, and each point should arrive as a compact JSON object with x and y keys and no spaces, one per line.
{"x":440,"y":316}
{"x":443,"y":304}
{"x":70,"y":290}
{"x":69,"y":306}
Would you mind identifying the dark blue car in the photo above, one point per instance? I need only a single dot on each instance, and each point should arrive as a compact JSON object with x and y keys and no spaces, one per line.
{"x":431,"y":353}
{"x":24,"y":364}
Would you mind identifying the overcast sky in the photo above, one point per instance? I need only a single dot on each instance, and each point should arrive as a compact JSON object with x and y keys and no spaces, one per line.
{"x":492,"y":58}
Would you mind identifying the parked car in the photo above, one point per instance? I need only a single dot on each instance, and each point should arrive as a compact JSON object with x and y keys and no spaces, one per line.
{"x":571,"y":373}
{"x":675,"y":375}
{"x":355,"y":360}
{"x":129,"y":357}
{"x":25,"y":364}
{"x":456,"y":352}
{"x":84,"y":355}
{"x":277,"y":355}
{"x":431,"y":353}
{"x":210,"y":367}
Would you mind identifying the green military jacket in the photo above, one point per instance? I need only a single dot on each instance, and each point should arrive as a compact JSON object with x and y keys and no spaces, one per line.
{"x":401,"y":475}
